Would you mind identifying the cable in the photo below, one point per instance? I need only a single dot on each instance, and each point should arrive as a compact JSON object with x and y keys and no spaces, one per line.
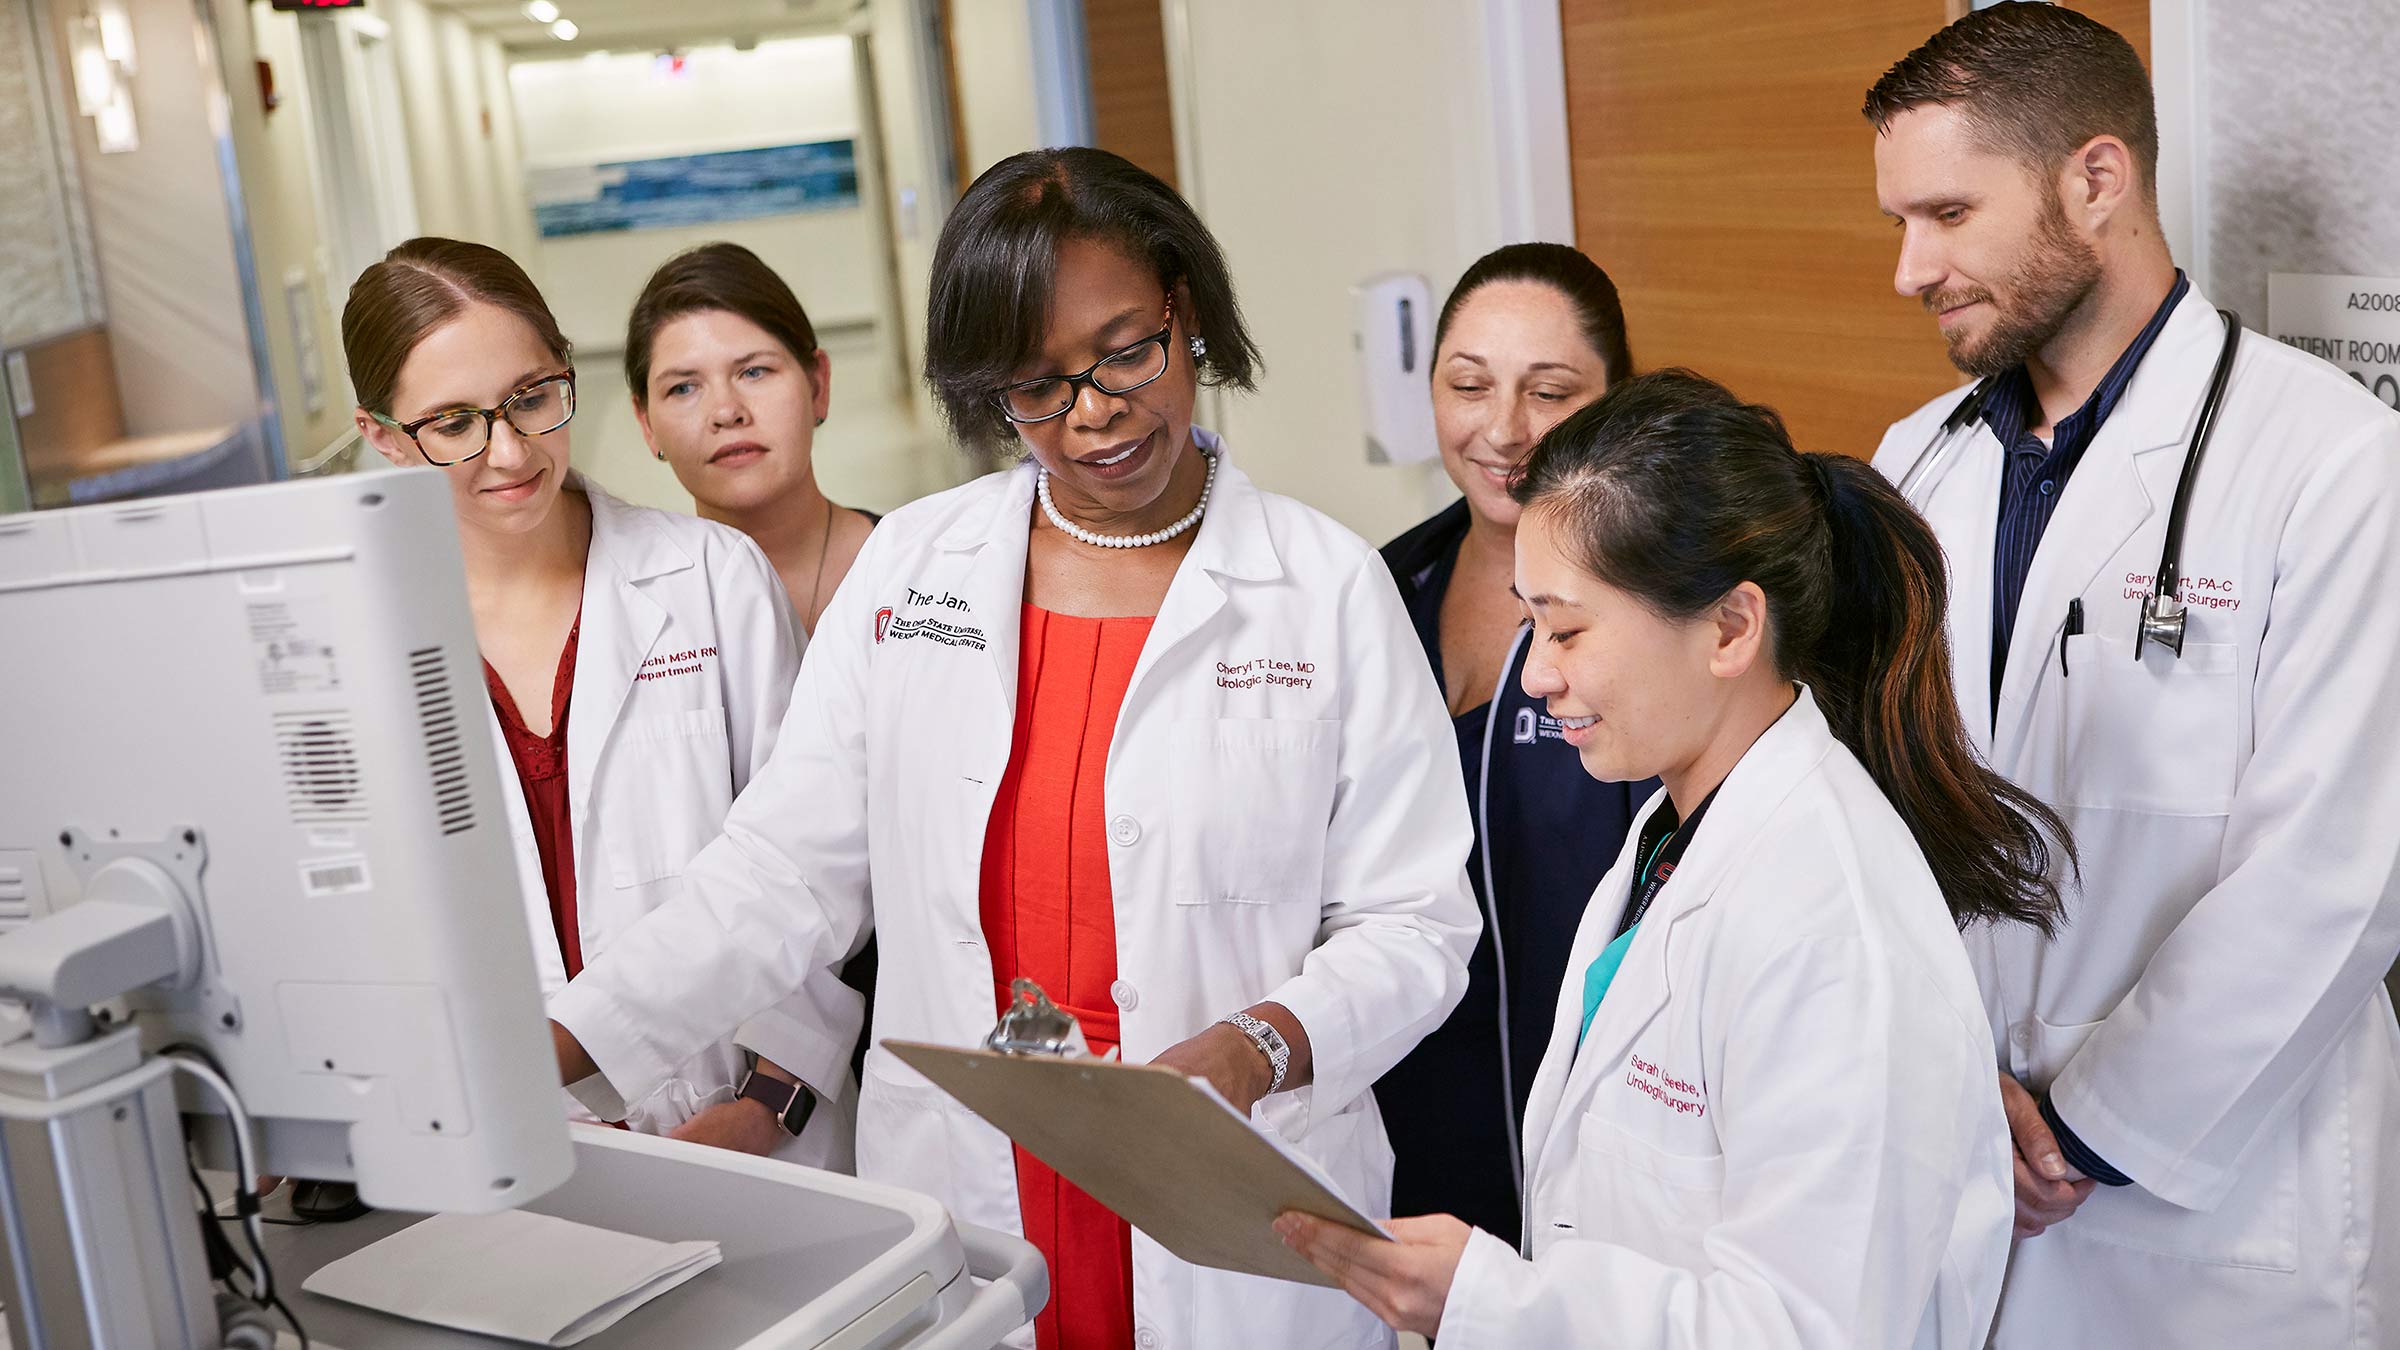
{"x":191,"y":1060}
{"x":197,"y":1062}
{"x":1491,"y":913}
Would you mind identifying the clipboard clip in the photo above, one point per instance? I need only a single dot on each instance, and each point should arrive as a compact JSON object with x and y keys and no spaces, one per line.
{"x":1033,"y":1025}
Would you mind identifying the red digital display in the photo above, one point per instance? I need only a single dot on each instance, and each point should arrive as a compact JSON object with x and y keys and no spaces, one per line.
{"x":316,"y":4}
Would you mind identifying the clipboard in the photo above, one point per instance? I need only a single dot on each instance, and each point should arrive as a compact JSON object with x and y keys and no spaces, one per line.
{"x":1165,"y":1152}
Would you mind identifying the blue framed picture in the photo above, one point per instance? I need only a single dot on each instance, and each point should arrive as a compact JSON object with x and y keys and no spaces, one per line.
{"x":694,"y":189}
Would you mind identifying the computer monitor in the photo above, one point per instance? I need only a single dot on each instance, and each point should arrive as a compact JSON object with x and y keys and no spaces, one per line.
{"x":269,"y":701}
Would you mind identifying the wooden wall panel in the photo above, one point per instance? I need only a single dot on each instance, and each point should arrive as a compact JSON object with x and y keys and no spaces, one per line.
{"x":1131,"y":116}
{"x":76,"y":406}
{"x":1724,"y":177}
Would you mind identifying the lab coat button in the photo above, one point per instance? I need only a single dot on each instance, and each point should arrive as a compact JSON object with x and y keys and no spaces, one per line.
{"x":1125,"y":830}
{"x":1127,"y":999}
{"x":2022,"y":1037}
{"x":1146,"y":1338}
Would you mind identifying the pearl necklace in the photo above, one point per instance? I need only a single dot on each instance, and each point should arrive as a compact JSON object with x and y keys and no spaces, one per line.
{"x":1041,"y":489}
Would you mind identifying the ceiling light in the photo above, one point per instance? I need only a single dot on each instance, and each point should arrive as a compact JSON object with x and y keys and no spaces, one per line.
{"x":564,"y":30}
{"x":542,"y":11}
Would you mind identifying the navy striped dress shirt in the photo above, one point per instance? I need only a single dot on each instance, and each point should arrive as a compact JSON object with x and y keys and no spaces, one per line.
{"x":2035,"y":475}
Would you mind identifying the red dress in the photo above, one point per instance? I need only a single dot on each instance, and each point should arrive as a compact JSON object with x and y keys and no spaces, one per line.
{"x":541,"y":764}
{"x":1048,"y":915}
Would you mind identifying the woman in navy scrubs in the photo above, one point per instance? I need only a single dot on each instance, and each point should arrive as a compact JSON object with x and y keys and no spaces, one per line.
{"x":1531,"y":333}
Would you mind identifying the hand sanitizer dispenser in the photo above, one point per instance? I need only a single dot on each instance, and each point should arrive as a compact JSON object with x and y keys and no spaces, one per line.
{"x":1391,"y":329}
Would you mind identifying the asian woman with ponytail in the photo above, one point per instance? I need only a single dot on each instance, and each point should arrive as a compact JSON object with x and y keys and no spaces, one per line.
{"x":1767,"y":1115}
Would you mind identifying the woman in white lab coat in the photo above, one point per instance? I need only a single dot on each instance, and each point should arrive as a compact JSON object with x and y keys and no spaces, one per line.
{"x":1767,"y":1116}
{"x":1113,"y":718}
{"x":639,"y":662}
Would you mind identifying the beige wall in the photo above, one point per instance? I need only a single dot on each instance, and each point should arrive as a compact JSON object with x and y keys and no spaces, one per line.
{"x":917,"y":187}
{"x":168,"y":283}
{"x":280,"y":191}
{"x":1323,"y":143}
{"x":468,"y":181}
{"x":993,"y":41}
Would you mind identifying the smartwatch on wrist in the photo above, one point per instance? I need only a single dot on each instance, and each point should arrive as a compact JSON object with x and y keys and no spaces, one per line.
{"x":791,"y":1103}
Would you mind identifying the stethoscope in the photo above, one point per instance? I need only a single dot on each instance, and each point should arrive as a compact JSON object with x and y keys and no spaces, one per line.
{"x":2163,"y":615}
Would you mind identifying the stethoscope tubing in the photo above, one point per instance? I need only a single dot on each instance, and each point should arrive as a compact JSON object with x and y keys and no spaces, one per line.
{"x":2168,"y":576}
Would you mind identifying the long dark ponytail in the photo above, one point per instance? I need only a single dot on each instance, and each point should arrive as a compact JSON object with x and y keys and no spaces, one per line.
{"x":1675,"y":491}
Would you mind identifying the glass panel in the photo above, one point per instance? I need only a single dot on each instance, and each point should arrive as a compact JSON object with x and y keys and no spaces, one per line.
{"x":141,"y":373}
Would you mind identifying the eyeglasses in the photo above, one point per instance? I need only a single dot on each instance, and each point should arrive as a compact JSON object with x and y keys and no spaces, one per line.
{"x":456,"y":435}
{"x":1120,"y":372}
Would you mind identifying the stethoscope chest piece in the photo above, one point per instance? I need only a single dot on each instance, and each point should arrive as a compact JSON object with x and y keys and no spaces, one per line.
{"x":2163,"y":619}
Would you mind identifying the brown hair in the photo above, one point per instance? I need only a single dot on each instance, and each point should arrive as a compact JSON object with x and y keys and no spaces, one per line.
{"x":1576,"y":278}
{"x":717,"y":276}
{"x":1674,"y":491}
{"x":2037,"y":81}
{"x":417,"y":288}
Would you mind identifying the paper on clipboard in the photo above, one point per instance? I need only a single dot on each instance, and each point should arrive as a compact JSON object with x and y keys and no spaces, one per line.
{"x":1164,"y":1151}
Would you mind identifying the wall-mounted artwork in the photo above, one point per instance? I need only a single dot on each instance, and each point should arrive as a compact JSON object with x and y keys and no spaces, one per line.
{"x":693,"y":189}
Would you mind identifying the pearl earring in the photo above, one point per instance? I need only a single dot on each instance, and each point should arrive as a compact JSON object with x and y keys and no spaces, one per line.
{"x":1199,"y":347}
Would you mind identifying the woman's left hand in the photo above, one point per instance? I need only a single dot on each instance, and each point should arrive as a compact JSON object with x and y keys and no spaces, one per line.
{"x":1228,"y":1060}
{"x":1405,"y":1281}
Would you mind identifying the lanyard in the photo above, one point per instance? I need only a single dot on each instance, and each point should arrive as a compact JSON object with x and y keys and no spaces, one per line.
{"x":1663,"y":846}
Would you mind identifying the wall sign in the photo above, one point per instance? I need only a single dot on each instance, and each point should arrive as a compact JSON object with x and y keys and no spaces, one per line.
{"x":2354,"y":322}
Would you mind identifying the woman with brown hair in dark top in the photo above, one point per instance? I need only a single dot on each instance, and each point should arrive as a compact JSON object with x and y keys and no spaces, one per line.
{"x":730,"y":386}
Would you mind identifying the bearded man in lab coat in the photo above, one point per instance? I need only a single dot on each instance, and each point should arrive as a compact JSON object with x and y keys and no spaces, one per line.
{"x":2202,"y":1072}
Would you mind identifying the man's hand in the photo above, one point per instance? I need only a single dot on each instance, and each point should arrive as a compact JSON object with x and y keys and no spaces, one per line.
{"x":743,"y":1125}
{"x":1405,"y":1281}
{"x":2048,"y":1190}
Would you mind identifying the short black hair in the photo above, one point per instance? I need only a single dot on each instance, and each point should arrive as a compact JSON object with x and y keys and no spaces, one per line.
{"x":998,"y":256}
{"x":1598,"y":311}
{"x":2035,"y":80}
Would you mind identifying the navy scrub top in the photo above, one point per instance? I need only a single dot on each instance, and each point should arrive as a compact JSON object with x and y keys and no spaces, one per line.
{"x":1552,"y":832}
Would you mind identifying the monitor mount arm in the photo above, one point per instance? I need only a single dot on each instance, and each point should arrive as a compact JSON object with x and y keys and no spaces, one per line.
{"x":96,"y":1203}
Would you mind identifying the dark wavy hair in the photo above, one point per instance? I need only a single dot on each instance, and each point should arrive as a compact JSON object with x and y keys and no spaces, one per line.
{"x":998,"y":257}
{"x":1674,"y":491}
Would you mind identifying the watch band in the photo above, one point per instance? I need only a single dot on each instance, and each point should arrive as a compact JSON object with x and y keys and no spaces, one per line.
{"x":791,"y":1103}
{"x":1269,"y":1042}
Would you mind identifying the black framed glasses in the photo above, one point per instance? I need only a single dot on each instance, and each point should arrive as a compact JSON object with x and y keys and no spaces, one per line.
{"x":1120,"y":372}
{"x":456,"y":435}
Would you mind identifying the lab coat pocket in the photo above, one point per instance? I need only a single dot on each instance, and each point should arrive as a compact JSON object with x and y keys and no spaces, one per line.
{"x":1253,"y":798}
{"x":1350,"y":1145}
{"x":672,"y":777}
{"x":2256,"y":1225}
{"x":2120,"y":714}
{"x":914,"y":1135}
{"x":1627,"y":1187}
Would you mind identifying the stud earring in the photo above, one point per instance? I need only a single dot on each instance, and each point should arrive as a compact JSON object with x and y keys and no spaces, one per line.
{"x":1199,"y":347}
{"x":820,"y":421}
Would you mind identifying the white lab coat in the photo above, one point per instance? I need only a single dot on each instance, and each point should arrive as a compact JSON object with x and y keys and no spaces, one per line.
{"x":2212,"y":1021}
{"x":682,"y":672}
{"x":1782,"y":1130}
{"x":1286,"y":821}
